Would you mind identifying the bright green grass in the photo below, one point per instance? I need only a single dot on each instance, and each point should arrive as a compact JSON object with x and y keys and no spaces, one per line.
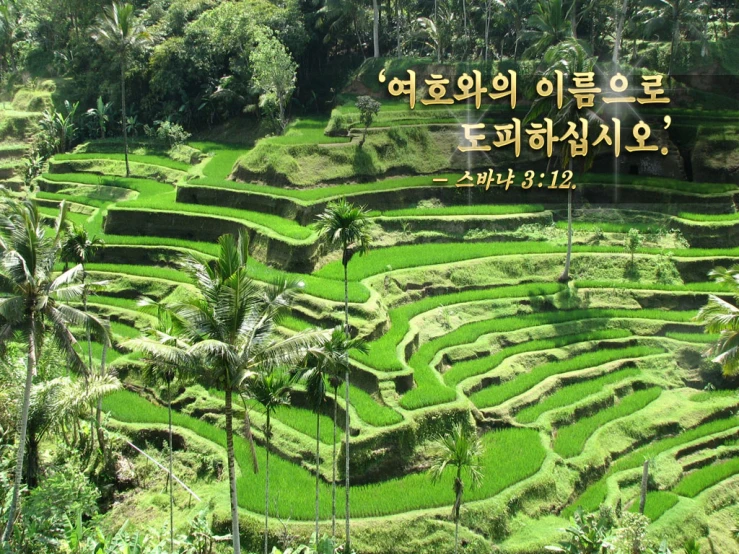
{"x":701,"y":338}
{"x":317,"y":194}
{"x":480,"y":209}
{"x":75,"y":199}
{"x":369,"y":410}
{"x":306,"y":130}
{"x":595,"y":494}
{"x":125,"y":331}
{"x":221,"y":164}
{"x":162,"y":161}
{"x":710,"y":217}
{"x":146,"y":188}
{"x":208,"y":248}
{"x":700,"y":479}
{"x":429,"y":390}
{"x":417,"y":255}
{"x":285,"y":227}
{"x":657,"y":503}
{"x":150,"y":271}
{"x":494,"y":395}
{"x":685,"y":287}
{"x":510,"y":456}
{"x":573,"y":393}
{"x":571,"y":439}
{"x":469,"y":368}
{"x":705,"y":396}
{"x":381,"y":352}
{"x":300,"y":419}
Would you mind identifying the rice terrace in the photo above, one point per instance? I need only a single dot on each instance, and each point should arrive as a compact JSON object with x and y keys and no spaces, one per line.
{"x":264,"y":315}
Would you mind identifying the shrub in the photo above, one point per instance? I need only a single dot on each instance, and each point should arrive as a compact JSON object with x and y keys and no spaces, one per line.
{"x":166,"y":131}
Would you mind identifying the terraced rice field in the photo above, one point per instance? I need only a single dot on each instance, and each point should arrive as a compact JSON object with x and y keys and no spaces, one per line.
{"x":571,"y":387}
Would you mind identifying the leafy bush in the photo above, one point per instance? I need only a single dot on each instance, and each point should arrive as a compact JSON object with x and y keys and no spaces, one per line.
{"x":166,"y":131}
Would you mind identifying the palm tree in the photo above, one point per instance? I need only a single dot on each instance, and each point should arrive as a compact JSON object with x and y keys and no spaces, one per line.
{"x":347,"y":225}
{"x":118,"y":32}
{"x":271,"y":389}
{"x":549,"y":26}
{"x":674,"y":15}
{"x":462,"y":450}
{"x":80,"y":248}
{"x":327,"y":362}
{"x":56,"y":401}
{"x":231,"y":324}
{"x":32,"y":303}
{"x":569,"y":57}
{"x":166,"y":360}
{"x":722,"y":317}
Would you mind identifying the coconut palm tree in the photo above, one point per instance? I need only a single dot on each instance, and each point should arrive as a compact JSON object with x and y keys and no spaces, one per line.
{"x":166,"y":361}
{"x":32,"y":302}
{"x":549,"y":26}
{"x":118,"y":32}
{"x":271,"y":389}
{"x":327,"y":363}
{"x":569,"y":57}
{"x":231,"y":324}
{"x":57,"y":401}
{"x":347,"y":225}
{"x":722,"y":317}
{"x":461,"y":449}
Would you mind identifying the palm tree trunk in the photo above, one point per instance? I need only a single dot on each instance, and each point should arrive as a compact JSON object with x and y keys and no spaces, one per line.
{"x":673,"y":45}
{"x":23,"y":427}
{"x":232,"y":473}
{"x":99,"y":409}
{"x":123,"y":111}
{"x":318,"y":462}
{"x":346,"y":474}
{"x":333,"y":470}
{"x":376,"y":28}
{"x":456,"y":534}
{"x":487,"y":27}
{"x":619,"y":31}
{"x":566,"y":273}
{"x":266,"y":491}
{"x":438,"y":35}
{"x":346,"y":402}
{"x":573,"y":18}
{"x":170,"y":476}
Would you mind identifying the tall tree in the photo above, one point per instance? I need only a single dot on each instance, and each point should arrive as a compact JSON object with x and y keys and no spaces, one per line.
{"x":547,"y":27}
{"x":569,"y":57}
{"x":461,"y":450}
{"x":376,"y":27}
{"x":346,"y":225}
{"x":118,"y":32}
{"x":326,"y":363}
{"x":166,"y":361}
{"x":274,"y":72}
{"x":722,"y":317}
{"x":271,"y":389}
{"x":231,"y":324}
{"x":32,"y":302}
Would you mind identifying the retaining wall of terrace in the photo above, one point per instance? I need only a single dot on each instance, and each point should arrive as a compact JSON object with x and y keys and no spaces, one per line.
{"x":138,"y":222}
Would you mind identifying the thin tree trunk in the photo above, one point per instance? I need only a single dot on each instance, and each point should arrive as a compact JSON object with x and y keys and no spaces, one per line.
{"x":23,"y":428}
{"x":573,"y":18}
{"x":359,"y":38}
{"x":397,"y":26}
{"x":487,"y":27}
{"x":232,"y":473}
{"x":456,"y":535}
{"x":99,"y":408}
{"x":318,"y":462}
{"x":123,"y":111}
{"x":376,"y":28}
{"x":566,"y":273}
{"x":619,"y":31}
{"x":333,"y":470}
{"x":346,"y":402}
{"x":266,"y":491}
{"x":169,"y":477}
{"x":644,"y":486}
{"x":673,"y":45}
{"x":438,"y":35}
